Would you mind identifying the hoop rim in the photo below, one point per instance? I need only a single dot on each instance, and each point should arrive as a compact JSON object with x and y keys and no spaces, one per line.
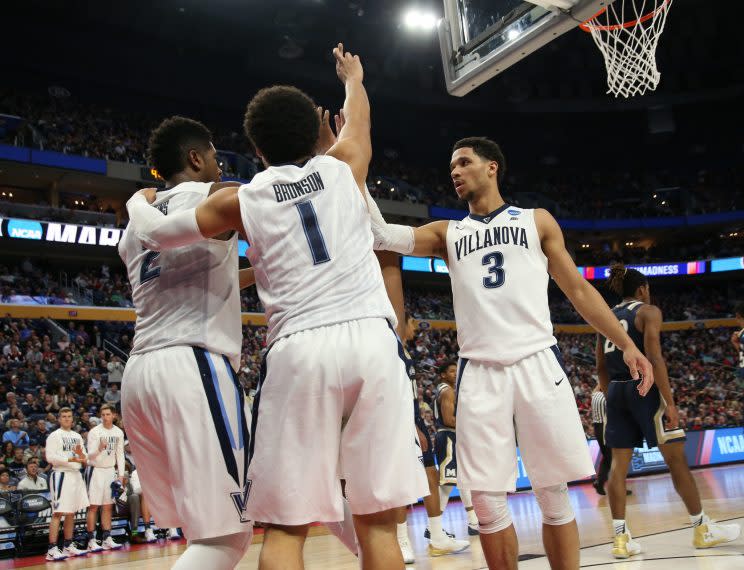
{"x":588,"y":26}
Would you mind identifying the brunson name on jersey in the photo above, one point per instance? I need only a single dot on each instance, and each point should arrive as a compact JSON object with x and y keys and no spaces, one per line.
{"x":307,"y":185}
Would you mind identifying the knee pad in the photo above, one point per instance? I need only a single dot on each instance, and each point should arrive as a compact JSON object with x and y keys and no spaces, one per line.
{"x":554,"y":504}
{"x":492,"y":511}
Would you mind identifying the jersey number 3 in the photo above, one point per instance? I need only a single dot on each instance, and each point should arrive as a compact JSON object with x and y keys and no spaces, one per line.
{"x":496,"y":275}
{"x":312,"y":233}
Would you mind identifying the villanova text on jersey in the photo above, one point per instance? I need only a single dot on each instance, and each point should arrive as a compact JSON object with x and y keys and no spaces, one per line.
{"x":308,"y":185}
{"x":488,"y":237}
{"x":70,"y":443}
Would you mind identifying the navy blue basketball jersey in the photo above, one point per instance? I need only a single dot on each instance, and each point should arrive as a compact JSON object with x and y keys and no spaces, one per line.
{"x":438,"y":416}
{"x":626,"y":314}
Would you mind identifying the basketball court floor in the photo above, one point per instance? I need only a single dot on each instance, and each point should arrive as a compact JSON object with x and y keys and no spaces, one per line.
{"x":655,"y":515}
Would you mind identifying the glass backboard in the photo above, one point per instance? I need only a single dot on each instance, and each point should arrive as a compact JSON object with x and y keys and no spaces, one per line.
{"x":482,"y":38}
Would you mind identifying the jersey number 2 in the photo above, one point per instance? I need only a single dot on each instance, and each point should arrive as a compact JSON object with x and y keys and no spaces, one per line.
{"x":610,"y":346}
{"x":148,"y":273}
{"x":312,"y":233}
{"x":496,"y":275}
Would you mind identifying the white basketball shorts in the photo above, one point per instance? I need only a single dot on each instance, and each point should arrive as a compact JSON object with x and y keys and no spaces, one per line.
{"x":529,"y":403}
{"x":187,"y":424}
{"x":68,"y":492}
{"x":334,"y":403}
{"x":98,"y":482}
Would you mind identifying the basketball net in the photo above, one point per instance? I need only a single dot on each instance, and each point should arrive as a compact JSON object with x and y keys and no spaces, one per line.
{"x":627,"y":33}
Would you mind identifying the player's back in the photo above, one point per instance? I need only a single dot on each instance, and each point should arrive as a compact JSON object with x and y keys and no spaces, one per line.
{"x":187,"y":296}
{"x":626,"y":313}
{"x":311,"y":247}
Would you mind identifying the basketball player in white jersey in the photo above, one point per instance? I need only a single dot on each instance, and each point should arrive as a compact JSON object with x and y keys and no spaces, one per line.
{"x":334,"y":395}
{"x":510,"y":379}
{"x":66,"y":454}
{"x":105,"y":465}
{"x":183,"y":406}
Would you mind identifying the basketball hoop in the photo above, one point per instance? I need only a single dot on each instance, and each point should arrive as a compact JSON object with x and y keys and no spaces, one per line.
{"x":627,"y":38}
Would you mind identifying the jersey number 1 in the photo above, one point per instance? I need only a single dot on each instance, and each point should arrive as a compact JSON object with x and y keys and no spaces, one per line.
{"x":312,"y":233}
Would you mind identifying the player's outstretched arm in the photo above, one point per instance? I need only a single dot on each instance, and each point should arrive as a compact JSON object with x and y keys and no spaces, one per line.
{"x":604,"y":377}
{"x":587,"y":300}
{"x":246,"y":277}
{"x":651,"y":318}
{"x":217,"y":214}
{"x":354,"y":144}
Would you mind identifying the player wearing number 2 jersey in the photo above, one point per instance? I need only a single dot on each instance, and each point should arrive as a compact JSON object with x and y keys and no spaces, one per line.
{"x":510,"y":382}
{"x":333,"y":396}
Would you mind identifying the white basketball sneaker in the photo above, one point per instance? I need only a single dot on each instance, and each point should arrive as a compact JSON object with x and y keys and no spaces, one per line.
{"x":150,"y":535}
{"x":111,"y":544}
{"x":93,"y":546}
{"x":406,"y":550}
{"x":73,"y":550}
{"x":54,"y":554}
{"x":447,"y":546}
{"x":711,"y":534}
{"x":173,"y":534}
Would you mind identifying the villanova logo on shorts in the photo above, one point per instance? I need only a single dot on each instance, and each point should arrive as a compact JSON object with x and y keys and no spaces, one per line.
{"x":240,"y":500}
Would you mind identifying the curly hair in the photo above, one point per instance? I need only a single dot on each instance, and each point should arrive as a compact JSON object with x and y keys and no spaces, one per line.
{"x":282,"y":123}
{"x":625,"y":281}
{"x":171,"y":142}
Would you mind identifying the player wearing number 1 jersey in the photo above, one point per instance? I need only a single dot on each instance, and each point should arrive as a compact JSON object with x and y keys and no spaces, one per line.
{"x":333,"y":396}
{"x":510,"y":382}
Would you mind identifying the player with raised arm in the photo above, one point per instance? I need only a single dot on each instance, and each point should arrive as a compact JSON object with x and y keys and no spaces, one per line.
{"x":631,"y":419}
{"x":180,"y":396}
{"x":105,"y":465}
{"x":65,"y":452}
{"x":330,"y":337}
{"x":510,"y":379}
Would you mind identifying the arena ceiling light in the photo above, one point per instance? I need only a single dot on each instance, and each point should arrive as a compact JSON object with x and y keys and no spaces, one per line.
{"x":416,"y":19}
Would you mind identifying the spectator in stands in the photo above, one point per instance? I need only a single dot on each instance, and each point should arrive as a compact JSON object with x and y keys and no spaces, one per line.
{"x":40,"y":432}
{"x":31,"y":405}
{"x":8,"y":453}
{"x":115,"y":370}
{"x":15,"y":435}
{"x":33,"y":481}
{"x":5,"y":480}
{"x":34,"y":450}
{"x":17,"y":467}
{"x":112,"y":395}
{"x":64,"y":343}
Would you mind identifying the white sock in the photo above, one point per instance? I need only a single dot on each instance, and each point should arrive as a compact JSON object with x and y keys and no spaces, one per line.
{"x":402,"y":531}
{"x":344,"y":530}
{"x":435,"y":529}
{"x":219,"y":553}
{"x":444,"y":494}
{"x":472,"y":519}
{"x":697,"y":520}
{"x":620,"y":527}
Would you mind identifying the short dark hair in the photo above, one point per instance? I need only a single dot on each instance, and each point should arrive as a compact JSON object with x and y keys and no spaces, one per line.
{"x":282,"y":123}
{"x":32,"y":461}
{"x":171,"y":142}
{"x":485,"y":148}
{"x":444,"y":366}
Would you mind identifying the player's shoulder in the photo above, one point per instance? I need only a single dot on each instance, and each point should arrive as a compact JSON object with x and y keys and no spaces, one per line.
{"x":648,"y":310}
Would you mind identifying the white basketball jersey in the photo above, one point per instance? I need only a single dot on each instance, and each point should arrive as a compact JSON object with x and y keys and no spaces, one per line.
{"x":186,"y":296}
{"x":311,"y":247}
{"x":499,"y":279}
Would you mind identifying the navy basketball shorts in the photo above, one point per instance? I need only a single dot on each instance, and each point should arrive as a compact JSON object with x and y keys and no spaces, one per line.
{"x":446,"y":441}
{"x":631,"y":418}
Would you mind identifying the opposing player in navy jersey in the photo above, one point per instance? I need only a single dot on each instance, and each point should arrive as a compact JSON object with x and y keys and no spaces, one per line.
{"x":446,"y":443}
{"x":631,"y":419}
{"x":737,"y":339}
{"x":510,"y":379}
{"x":330,"y":328}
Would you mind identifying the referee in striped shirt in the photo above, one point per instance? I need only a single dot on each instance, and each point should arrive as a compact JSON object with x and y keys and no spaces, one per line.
{"x":599,"y":419}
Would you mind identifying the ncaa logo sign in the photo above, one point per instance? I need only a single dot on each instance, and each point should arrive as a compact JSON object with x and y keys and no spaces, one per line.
{"x":24,"y":229}
{"x":513,"y":212}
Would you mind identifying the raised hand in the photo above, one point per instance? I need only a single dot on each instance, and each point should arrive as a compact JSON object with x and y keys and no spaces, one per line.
{"x":348,"y":66}
{"x":326,"y":136}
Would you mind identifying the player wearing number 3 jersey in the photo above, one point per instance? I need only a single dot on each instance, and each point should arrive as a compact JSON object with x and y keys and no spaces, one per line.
{"x":511,"y":385}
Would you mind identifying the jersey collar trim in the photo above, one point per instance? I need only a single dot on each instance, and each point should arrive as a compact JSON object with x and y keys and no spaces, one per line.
{"x":488,"y":217}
